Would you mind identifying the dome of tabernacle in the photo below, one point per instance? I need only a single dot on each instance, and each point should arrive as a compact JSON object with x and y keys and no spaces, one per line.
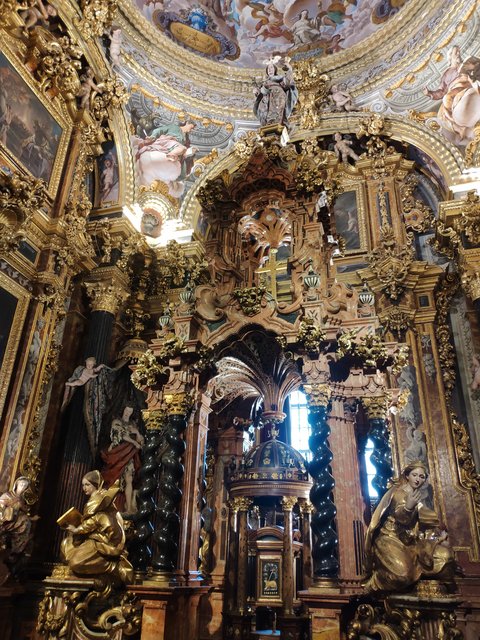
{"x":271,"y":468}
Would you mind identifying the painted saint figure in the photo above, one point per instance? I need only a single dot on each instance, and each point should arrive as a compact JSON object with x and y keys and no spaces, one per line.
{"x":165,"y":154}
{"x":405,"y":540}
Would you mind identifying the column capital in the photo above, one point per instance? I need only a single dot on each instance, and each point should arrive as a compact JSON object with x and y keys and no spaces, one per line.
{"x":376,"y":407}
{"x":471,"y":282}
{"x":107,"y":289}
{"x":177,"y":403}
{"x":241,"y":504}
{"x":155,"y":420}
{"x":288,"y":502}
{"x":318,"y":394}
{"x":306,"y":507}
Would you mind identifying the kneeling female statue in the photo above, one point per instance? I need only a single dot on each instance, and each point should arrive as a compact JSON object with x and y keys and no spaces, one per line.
{"x":96,"y":545}
{"x":405,"y":541}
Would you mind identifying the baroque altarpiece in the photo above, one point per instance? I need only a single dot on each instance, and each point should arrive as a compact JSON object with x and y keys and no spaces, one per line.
{"x":240,"y":320}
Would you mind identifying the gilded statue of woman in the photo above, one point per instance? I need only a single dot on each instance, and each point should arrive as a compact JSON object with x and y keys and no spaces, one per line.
{"x":96,"y":546}
{"x":405,"y":540}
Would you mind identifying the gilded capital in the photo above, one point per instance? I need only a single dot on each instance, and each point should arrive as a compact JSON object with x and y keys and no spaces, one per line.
{"x":177,"y":403}
{"x":155,"y":420}
{"x":288,"y":502}
{"x":106,"y":296}
{"x":377,"y":406}
{"x":318,"y":395}
{"x":471,"y":283}
{"x":241,"y":504}
{"x":306,"y":507}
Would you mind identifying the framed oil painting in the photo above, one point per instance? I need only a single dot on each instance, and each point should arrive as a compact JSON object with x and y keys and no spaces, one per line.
{"x":29,"y":133}
{"x":349,"y":212}
{"x":13,"y":303}
{"x":269,"y":578}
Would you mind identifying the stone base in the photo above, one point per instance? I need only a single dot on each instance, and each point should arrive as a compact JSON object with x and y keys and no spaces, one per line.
{"x":169,"y":611}
{"x":325,"y":604}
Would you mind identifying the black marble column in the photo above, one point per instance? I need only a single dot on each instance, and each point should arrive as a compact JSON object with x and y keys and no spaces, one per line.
{"x":140,"y":549}
{"x":325,"y":541}
{"x":476,"y":306}
{"x":168,"y":520}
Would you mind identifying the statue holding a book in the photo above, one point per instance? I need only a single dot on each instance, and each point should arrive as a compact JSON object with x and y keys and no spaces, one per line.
{"x":95,"y":545}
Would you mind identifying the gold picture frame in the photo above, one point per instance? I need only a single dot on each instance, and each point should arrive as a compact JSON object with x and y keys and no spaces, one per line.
{"x":14,"y":310}
{"x":352,"y":227}
{"x":269,"y":579}
{"x":32,"y":113}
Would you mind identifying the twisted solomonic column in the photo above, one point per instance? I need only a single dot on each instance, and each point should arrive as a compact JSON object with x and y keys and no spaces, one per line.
{"x":325,"y":546}
{"x":376,"y":408}
{"x":168,"y":519}
{"x":140,"y":552}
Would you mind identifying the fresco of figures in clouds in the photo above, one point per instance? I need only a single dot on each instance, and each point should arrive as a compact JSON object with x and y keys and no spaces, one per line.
{"x":455,"y":97}
{"x":167,"y":142}
{"x":246,"y":32}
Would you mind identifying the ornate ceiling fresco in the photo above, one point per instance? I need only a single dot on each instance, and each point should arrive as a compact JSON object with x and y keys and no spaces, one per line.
{"x":191,"y":70}
{"x":244,"y":32}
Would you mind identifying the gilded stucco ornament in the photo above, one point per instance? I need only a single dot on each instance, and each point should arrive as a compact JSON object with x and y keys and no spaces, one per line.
{"x":55,"y":63}
{"x":391,"y":263}
{"x":311,"y":337}
{"x":177,"y":403}
{"x":148,"y":371}
{"x":397,"y":320}
{"x":97,"y":17}
{"x":314,"y":91}
{"x":385,"y":623}
{"x":469,"y":221}
{"x":416,"y":214}
{"x":471,"y":282}
{"x":250,"y":299}
{"x":311,"y":171}
{"x":20,"y":196}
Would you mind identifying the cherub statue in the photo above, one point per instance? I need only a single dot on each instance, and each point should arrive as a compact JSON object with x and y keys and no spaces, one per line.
{"x":341,"y":99}
{"x":343,"y":148}
{"x":36,"y":12}
{"x":115,"y":47}
{"x":88,"y":89}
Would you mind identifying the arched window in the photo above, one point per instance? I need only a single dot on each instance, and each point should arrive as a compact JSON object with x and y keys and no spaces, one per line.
{"x":298,"y":422}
